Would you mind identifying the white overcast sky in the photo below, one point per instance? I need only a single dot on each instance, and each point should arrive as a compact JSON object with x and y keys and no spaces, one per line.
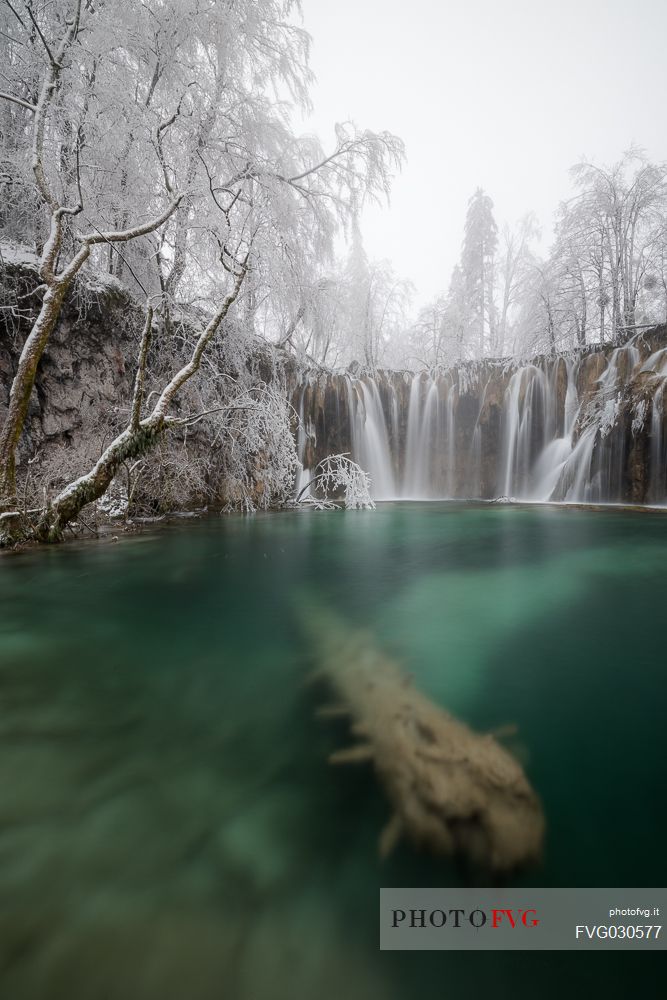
{"x":502,"y":94}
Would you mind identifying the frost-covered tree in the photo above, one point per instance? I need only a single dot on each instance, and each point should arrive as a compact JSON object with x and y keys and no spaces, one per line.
{"x":374,"y":304}
{"x":355,"y":312}
{"x":538,"y":324}
{"x":477,"y":263}
{"x":602,"y":275}
{"x":612,"y":231}
{"x":516,"y":260}
{"x":337,"y":476}
{"x":426,"y":338}
{"x":165,"y":126}
{"x":457,"y":318}
{"x":357,"y":289}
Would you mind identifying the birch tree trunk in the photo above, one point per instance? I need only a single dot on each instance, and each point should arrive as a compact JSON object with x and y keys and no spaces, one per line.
{"x":55,"y":285}
{"x":139,"y":437}
{"x":21,"y":391}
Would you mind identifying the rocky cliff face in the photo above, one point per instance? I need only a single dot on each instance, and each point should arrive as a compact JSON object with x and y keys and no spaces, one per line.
{"x":85,"y":376}
{"x":84,"y":388}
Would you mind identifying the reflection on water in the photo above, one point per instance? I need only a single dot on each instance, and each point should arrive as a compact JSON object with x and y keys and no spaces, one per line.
{"x":169,"y":826}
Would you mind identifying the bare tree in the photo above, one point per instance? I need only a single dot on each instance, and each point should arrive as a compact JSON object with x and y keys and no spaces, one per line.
{"x":56,"y":279}
{"x":619,"y":217}
{"x":223,"y":194}
{"x":515,"y":261}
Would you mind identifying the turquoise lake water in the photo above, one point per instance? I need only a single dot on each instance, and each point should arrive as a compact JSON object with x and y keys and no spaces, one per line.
{"x":169,"y":826}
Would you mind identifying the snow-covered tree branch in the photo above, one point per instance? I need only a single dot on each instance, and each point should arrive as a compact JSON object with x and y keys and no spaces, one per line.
{"x":161,"y":151}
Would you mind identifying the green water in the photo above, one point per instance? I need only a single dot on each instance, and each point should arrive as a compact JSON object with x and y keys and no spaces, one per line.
{"x":169,"y":826}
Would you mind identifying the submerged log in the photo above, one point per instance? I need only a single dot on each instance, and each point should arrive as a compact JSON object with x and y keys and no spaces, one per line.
{"x":452,"y":791}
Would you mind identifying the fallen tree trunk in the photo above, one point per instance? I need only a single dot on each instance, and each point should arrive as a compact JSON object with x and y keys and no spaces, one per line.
{"x":452,"y":791}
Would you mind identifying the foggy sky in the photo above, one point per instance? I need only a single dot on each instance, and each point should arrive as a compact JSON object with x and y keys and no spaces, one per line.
{"x":502,"y":94}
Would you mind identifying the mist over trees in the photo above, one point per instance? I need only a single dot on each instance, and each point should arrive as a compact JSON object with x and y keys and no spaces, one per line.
{"x":153,"y":142}
{"x":603,"y":277}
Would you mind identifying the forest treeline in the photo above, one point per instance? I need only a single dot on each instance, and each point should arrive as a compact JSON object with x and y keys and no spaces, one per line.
{"x":604,"y":276}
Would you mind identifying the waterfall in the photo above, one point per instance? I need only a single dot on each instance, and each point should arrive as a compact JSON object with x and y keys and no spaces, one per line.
{"x":413,"y":438}
{"x":303,"y":475}
{"x":370,"y":441}
{"x":551,"y":463}
{"x":658,"y":483}
{"x":423,"y":439}
{"x":588,"y":427}
{"x":450,"y":439}
{"x":524,"y":430}
{"x":656,"y":368}
{"x":574,"y":481}
{"x":430,"y":459}
{"x":592,"y":466}
{"x":473,"y":478}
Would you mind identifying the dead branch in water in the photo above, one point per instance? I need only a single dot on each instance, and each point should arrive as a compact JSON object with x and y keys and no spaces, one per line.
{"x":452,"y":791}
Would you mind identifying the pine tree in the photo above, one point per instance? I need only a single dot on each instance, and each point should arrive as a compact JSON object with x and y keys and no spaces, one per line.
{"x":357,"y":280}
{"x":477,"y":262}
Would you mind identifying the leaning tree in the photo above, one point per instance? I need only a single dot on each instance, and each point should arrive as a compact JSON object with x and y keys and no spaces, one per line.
{"x":154,"y":140}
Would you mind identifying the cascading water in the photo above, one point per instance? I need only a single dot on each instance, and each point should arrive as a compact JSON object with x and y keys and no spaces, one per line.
{"x":370,"y":441}
{"x":592,"y":467}
{"x":553,"y":459}
{"x":429,"y":466}
{"x":450,"y":439}
{"x":658,"y":485}
{"x":472,"y":483}
{"x":304,"y":475}
{"x":656,"y":368}
{"x":525,"y":430}
{"x":413,"y":439}
{"x":558,"y":429}
{"x":422,"y":438}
